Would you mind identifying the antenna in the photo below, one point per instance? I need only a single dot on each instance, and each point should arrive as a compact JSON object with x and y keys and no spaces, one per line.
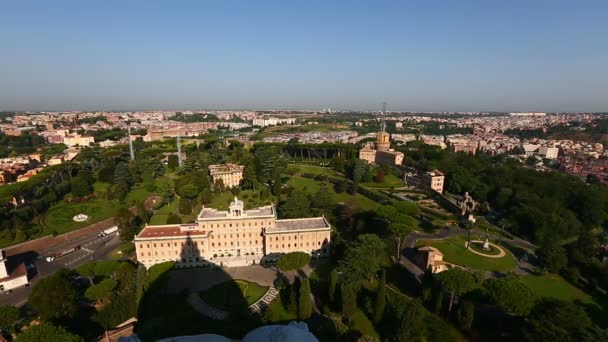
{"x":383,"y":113}
{"x":131,"y":151}
{"x":179,"y":150}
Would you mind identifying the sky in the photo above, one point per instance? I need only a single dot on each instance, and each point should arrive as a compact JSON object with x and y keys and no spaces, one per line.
{"x":445,"y":55}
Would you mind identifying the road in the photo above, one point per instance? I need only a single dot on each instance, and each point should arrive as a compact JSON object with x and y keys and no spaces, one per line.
{"x":93,"y":248}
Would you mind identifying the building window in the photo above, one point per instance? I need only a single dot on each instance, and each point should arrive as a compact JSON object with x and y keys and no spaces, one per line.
{"x":154,"y":245}
{"x":148,"y":245}
{"x":175,"y":244}
{"x":161,"y":244}
{"x":212,"y":244}
{"x":283,"y":245}
{"x":288,"y":245}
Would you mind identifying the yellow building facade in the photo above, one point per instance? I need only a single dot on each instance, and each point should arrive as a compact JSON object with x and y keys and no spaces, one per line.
{"x":236,"y":237}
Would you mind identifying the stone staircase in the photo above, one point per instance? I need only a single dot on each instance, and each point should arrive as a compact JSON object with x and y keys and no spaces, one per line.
{"x":203,"y":308}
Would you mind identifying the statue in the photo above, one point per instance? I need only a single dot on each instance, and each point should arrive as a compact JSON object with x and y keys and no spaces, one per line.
{"x":486,"y":244}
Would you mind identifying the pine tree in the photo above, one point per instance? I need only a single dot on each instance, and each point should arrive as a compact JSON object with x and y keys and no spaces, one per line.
{"x":305,"y":304}
{"x":380,"y":299}
{"x":122,"y":175}
{"x":250,"y":177}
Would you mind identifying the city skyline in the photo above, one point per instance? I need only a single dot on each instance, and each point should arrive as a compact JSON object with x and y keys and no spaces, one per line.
{"x":466,"y":56}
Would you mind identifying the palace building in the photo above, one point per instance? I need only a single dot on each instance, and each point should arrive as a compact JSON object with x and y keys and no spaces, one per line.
{"x":236,"y":237}
{"x":230,"y":174}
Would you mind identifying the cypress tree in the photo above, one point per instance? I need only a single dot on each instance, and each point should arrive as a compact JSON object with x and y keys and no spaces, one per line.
{"x":333,"y":281}
{"x":305,"y":304}
{"x":380,"y":299}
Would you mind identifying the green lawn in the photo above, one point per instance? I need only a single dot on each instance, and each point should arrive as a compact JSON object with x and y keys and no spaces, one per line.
{"x":551,"y":285}
{"x":454,"y":251}
{"x":232,"y":293}
{"x":389,"y":181}
{"x":278,"y":314}
{"x":311,"y":186}
{"x":317,"y":170}
{"x":59,"y":217}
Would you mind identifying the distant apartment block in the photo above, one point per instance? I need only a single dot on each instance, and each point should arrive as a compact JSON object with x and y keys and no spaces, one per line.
{"x":231,"y":175}
{"x":264,"y":122}
{"x":77,"y":140}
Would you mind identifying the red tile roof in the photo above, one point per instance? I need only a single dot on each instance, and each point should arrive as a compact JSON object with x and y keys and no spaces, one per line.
{"x":167,"y":231}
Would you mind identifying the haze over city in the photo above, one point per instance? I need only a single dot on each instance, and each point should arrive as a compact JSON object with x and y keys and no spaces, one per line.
{"x":417,"y":56}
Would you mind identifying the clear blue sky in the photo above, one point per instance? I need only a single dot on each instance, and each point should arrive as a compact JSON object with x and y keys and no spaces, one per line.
{"x":415,"y":55}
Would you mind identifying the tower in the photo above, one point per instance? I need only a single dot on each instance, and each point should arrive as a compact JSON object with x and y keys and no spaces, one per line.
{"x":383,"y":138}
{"x":180,"y":159}
{"x":131,"y":151}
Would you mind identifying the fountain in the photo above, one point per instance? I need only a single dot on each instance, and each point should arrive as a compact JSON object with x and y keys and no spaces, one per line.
{"x":80,"y":218}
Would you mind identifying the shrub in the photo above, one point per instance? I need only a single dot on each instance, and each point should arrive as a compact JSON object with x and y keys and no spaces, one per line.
{"x":293,"y":261}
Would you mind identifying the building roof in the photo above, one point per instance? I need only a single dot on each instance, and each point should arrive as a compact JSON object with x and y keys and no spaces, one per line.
{"x":16,"y":272}
{"x":299,"y":224}
{"x":225,"y":168}
{"x":168,"y":231}
{"x":210,"y":213}
{"x":429,"y":249}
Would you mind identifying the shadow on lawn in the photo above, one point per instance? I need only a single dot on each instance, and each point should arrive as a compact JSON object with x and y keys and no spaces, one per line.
{"x":163,"y":313}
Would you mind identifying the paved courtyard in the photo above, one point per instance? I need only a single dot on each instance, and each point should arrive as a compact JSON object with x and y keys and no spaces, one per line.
{"x":199,"y":279}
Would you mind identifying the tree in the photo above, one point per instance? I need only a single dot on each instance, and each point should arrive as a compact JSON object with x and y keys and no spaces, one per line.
{"x":172,"y":161}
{"x":250,"y":177}
{"x":277,"y":184}
{"x":219,"y":185}
{"x":173,"y":218}
{"x":54,"y":297}
{"x":87,"y":270}
{"x":304,"y":300}
{"x":122,"y":174}
{"x":101,"y":291}
{"x":80,"y":187}
{"x":8,"y":315}
{"x":295,"y":206}
{"x":106,"y":174}
{"x":551,"y":256}
{"x":142,"y":212}
{"x":48,"y":333}
{"x":412,"y":326}
{"x":349,"y":300}
{"x":106,"y":268}
{"x":185,"y":206}
{"x":457,"y":282}
{"x":188,"y":191}
{"x":206,"y":196}
{"x":379,"y":178}
{"x":293,"y":261}
{"x":511,"y":295}
{"x":322,"y":200}
{"x":380,"y":298}
{"x":398,"y":220}
{"x":333,"y":281}
{"x":125,"y":221}
{"x":555,"y":320}
{"x":362,"y":258}
{"x":465,"y":313}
